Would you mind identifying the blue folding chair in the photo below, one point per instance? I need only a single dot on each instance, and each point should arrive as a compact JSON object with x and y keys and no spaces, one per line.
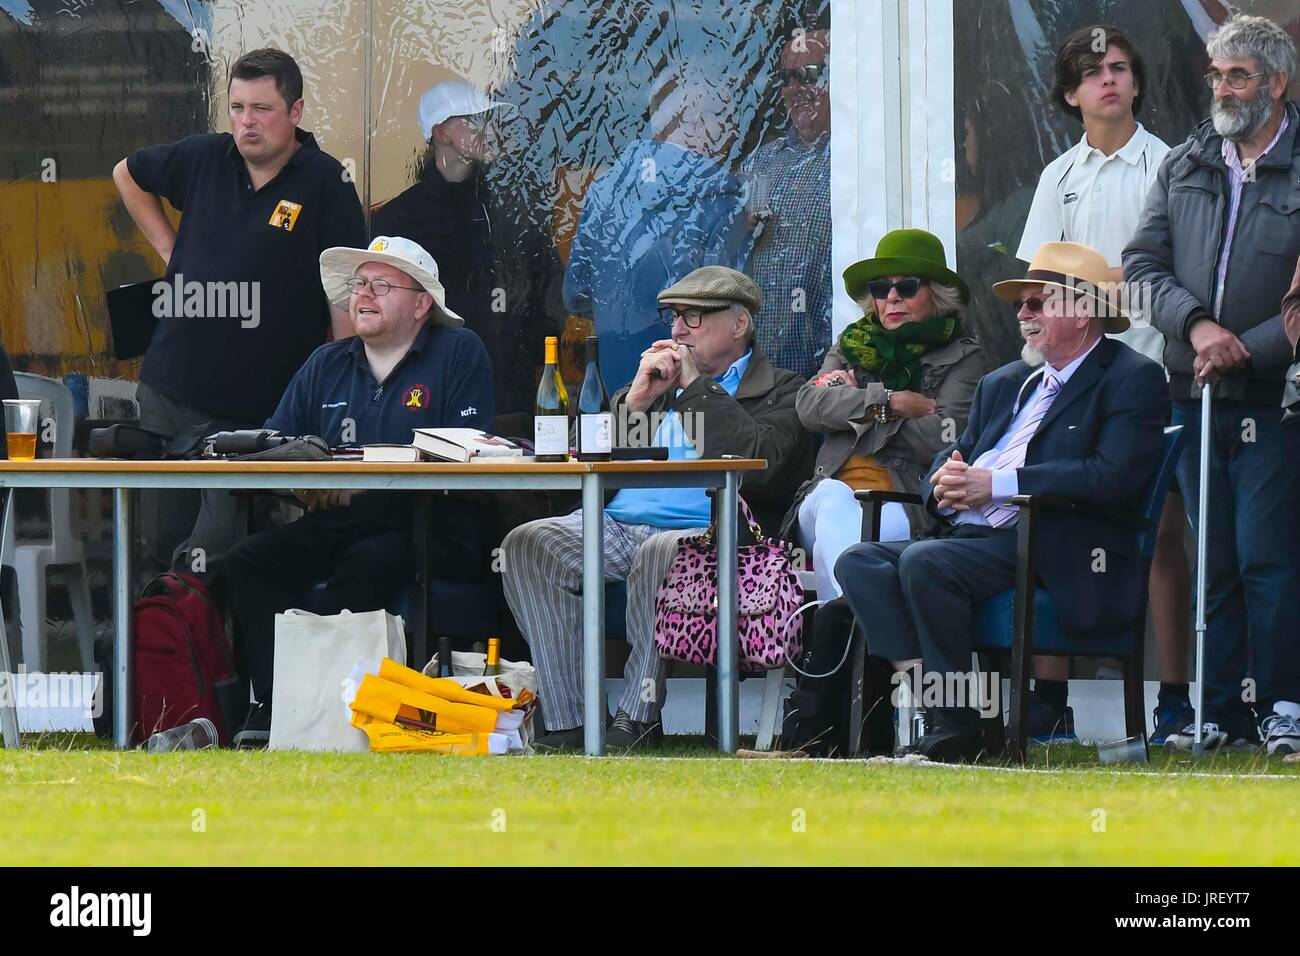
{"x":1012,"y":623}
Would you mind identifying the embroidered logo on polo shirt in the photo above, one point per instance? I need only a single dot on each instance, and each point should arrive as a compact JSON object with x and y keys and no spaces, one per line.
{"x":285,"y":215}
{"x":417,"y":396}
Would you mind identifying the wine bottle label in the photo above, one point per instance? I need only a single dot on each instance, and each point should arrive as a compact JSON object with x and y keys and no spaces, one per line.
{"x":596,"y":433}
{"x":551,"y":435}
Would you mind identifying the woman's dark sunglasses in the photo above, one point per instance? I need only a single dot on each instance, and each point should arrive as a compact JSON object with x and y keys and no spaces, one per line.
{"x":906,"y":287}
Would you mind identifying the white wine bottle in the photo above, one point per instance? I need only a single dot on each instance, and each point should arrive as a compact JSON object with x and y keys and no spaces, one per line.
{"x":595,"y":423}
{"x":551,"y":410}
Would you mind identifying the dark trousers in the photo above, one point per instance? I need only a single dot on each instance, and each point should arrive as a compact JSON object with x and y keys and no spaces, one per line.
{"x":915,"y":598}
{"x":173,"y":523}
{"x":1252,"y":572}
{"x":365,"y":556}
{"x":363,"y":567}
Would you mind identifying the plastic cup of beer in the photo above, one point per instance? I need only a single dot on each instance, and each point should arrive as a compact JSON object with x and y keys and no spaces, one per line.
{"x":22,"y":417}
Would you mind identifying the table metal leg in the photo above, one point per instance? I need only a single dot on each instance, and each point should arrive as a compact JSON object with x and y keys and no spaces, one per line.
{"x":8,"y":692}
{"x":593,"y":613}
{"x":123,"y":678}
{"x":728,"y":684}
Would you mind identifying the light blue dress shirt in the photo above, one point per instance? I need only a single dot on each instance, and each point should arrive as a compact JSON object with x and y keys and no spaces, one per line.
{"x":673,"y":507}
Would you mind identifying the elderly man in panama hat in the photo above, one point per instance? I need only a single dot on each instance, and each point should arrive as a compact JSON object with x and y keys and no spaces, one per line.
{"x":712,"y":392}
{"x":1080,"y":416}
{"x":410,"y":365}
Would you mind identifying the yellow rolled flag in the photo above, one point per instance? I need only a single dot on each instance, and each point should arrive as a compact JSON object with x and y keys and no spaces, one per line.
{"x":439,"y":686}
{"x":385,"y":701}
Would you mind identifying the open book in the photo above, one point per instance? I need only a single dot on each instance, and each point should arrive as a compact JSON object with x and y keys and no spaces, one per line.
{"x":463,"y":444}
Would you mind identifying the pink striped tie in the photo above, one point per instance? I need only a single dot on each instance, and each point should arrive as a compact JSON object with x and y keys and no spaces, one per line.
{"x":1013,"y":456}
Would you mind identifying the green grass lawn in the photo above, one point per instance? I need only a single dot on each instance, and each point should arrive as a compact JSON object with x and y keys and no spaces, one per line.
{"x":69,"y":803}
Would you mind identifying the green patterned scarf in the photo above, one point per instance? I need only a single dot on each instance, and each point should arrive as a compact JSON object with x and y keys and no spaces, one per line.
{"x":895,"y":356}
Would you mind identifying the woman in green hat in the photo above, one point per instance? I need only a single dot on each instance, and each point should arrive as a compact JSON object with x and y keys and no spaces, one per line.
{"x":894,"y":390}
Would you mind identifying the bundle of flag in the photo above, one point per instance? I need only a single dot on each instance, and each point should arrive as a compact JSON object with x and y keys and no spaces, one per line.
{"x":401,"y":709}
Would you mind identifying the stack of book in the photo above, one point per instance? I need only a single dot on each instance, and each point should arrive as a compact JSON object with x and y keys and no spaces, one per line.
{"x":445,"y":444}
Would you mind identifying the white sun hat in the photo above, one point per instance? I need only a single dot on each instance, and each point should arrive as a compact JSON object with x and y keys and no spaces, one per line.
{"x":339,"y":263}
{"x":449,"y":98}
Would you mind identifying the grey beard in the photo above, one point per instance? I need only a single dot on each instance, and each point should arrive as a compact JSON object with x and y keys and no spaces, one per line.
{"x":1032,"y":356}
{"x":1240,"y":123}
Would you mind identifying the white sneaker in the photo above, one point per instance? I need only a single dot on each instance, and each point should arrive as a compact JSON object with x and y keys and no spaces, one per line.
{"x":1281,"y":733}
{"x":1212,"y":737}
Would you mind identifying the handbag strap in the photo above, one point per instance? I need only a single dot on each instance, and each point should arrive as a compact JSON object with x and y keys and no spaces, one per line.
{"x":754,"y":527}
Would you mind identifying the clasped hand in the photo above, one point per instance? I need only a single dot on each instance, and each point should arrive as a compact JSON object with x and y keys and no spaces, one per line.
{"x":665,"y":364}
{"x":960,"y":487}
{"x":1218,"y":352}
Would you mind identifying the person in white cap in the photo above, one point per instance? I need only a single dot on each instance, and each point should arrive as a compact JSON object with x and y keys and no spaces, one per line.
{"x":448,"y":211}
{"x":412,"y":364}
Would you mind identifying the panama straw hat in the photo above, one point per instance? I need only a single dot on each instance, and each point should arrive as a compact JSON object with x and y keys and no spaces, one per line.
{"x":1076,"y":269}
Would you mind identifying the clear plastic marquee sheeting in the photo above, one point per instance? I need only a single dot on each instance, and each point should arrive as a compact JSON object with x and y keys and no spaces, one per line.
{"x":635,"y":141}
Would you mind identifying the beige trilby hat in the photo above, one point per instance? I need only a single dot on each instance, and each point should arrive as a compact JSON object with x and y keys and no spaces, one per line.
{"x":714,"y":287}
{"x":339,"y":263}
{"x":1076,"y":269}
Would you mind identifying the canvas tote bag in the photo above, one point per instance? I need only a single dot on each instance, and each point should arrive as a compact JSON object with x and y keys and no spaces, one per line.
{"x":313,"y":655}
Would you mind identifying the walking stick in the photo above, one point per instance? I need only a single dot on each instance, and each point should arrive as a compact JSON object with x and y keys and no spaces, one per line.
{"x":1202,"y":536}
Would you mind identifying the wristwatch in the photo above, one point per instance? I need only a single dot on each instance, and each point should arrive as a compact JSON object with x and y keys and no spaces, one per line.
{"x":883,"y":415}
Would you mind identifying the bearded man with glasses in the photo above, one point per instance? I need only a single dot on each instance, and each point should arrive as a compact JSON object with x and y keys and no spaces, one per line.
{"x":1216,"y":250}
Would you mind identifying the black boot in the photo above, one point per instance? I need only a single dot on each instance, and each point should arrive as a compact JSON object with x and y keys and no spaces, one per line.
{"x":817,"y":704}
{"x":954,"y":736}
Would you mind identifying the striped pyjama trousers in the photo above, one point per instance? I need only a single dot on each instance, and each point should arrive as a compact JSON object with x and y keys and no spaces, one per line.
{"x":541,"y":565}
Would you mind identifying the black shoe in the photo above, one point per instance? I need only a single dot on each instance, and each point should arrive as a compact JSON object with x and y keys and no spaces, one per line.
{"x":955,"y":737}
{"x":561,"y":740}
{"x":256,"y":732}
{"x":627,"y":733}
{"x":1048,"y":724}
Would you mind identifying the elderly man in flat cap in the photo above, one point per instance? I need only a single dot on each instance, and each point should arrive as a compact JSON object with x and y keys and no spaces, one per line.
{"x":711,"y":392}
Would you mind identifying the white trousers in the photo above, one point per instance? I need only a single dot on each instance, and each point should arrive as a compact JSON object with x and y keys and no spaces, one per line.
{"x":830,"y":522}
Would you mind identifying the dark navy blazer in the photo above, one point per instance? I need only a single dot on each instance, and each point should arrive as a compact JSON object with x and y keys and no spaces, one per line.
{"x":1100,"y":441}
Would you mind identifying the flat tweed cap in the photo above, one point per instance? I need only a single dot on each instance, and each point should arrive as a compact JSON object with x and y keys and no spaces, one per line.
{"x":714,"y":287}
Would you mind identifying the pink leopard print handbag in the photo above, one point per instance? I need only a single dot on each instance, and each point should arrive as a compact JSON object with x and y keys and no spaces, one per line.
{"x":768,"y":598}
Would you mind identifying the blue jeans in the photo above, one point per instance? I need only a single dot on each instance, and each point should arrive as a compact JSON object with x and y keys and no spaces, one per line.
{"x":1252,"y":605}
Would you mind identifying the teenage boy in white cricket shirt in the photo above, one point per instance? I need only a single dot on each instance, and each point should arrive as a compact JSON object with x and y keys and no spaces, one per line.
{"x":1094,"y":193}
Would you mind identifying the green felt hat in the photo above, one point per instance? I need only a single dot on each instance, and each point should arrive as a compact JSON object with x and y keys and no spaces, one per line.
{"x":904,"y":252}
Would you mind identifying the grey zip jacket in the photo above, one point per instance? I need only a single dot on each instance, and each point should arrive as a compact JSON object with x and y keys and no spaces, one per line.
{"x":1176,"y":251}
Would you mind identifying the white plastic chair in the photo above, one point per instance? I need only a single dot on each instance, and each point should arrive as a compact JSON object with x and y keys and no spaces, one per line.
{"x":63,"y":553}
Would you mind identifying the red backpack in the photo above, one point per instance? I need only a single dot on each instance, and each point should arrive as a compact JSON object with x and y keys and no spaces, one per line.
{"x":184,"y":661}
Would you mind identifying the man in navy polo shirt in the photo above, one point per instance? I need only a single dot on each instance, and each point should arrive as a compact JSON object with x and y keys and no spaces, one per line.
{"x":410,"y":365}
{"x":241,"y":306}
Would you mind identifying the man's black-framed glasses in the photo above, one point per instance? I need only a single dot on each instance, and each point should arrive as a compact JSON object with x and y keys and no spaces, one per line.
{"x":691,"y":318}
{"x":1237,"y":79}
{"x":907,"y":288}
{"x":377,"y":286}
{"x":804,"y":75}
